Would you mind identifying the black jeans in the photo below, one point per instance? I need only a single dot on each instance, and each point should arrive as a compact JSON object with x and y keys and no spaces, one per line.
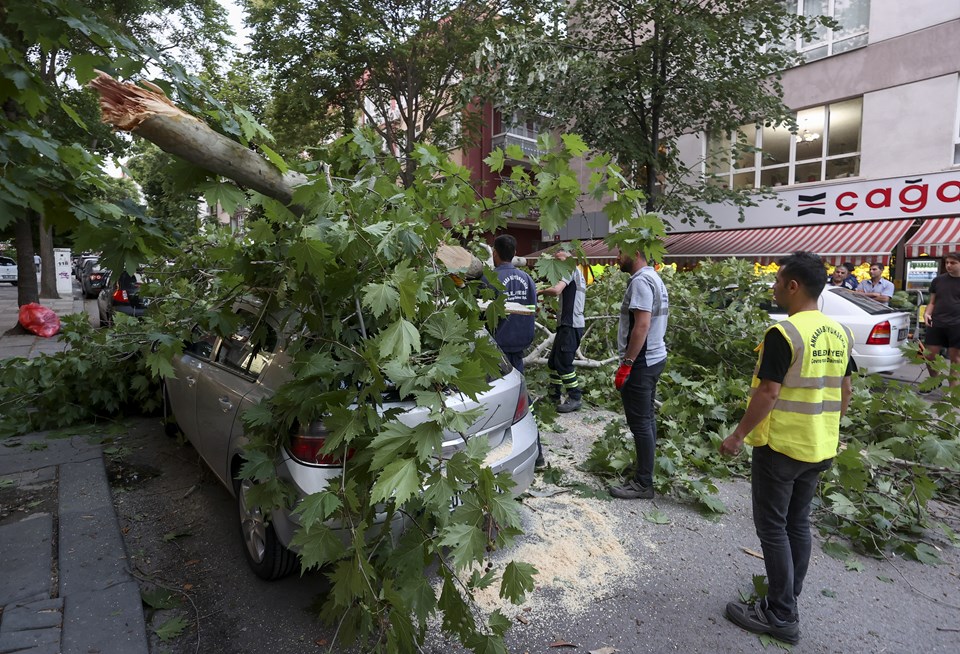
{"x":782,"y":491}
{"x":638,"y":394}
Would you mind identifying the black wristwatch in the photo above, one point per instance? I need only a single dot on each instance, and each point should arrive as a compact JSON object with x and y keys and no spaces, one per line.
{"x":627,"y":362}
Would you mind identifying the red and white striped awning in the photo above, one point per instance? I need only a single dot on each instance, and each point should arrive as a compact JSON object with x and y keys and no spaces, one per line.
{"x":595,"y":251}
{"x":834,"y":242}
{"x":935,"y":238}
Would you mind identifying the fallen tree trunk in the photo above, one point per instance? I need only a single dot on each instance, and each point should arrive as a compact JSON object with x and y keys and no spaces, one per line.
{"x":150,"y":113}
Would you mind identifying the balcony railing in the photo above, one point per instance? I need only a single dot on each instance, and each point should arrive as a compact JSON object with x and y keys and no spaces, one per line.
{"x":520,"y":136}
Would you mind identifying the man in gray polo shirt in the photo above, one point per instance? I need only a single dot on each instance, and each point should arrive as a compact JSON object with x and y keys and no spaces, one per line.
{"x":643,"y":355}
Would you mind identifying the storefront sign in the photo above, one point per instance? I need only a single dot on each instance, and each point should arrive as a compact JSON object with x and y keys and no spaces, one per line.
{"x":936,"y":194}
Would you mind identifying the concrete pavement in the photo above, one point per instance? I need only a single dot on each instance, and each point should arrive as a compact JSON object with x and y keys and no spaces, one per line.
{"x":66,"y":585}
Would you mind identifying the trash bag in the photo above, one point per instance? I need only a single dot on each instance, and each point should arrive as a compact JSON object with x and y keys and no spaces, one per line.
{"x":39,"y":319}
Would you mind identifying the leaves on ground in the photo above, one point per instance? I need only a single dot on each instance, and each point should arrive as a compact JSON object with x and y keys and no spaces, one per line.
{"x":171,"y":628}
{"x":160,"y":598}
{"x":657,"y":517}
{"x":766,"y":640}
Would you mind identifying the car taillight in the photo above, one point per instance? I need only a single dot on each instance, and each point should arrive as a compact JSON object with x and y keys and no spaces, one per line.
{"x":305,"y":446}
{"x":120,"y":295}
{"x":880,"y":334}
{"x":523,"y":404}
{"x":96,"y":277}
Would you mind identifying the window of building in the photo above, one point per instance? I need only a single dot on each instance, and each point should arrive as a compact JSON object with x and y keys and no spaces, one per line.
{"x":956,"y":133}
{"x":852,"y":16}
{"x":826,"y":146}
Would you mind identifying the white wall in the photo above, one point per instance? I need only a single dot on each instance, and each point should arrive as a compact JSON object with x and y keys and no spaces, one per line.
{"x":891,"y":18}
{"x":908,"y":130}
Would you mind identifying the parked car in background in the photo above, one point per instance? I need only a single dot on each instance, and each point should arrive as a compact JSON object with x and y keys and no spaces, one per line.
{"x":8,"y":271}
{"x":879,"y":331}
{"x":122,"y":296}
{"x":92,"y":278}
{"x":217,"y":379}
{"x":78,"y":262}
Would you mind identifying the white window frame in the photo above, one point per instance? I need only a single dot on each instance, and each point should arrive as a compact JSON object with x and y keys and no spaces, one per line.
{"x":757,"y":168}
{"x":829,"y":41}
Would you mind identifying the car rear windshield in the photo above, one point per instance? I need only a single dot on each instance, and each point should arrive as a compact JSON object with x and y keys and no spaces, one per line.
{"x":872,"y":307}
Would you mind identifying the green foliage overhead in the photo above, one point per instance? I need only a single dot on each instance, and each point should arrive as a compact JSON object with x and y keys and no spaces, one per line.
{"x":634,"y":77}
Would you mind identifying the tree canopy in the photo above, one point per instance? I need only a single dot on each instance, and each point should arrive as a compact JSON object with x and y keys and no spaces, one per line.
{"x":633,"y":77}
{"x":392,"y":65}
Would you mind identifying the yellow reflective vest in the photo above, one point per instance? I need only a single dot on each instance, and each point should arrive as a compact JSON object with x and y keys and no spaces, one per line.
{"x":805,"y":421}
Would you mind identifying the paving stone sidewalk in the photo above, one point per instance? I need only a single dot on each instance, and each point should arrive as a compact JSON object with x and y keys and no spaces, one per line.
{"x":64,"y":579}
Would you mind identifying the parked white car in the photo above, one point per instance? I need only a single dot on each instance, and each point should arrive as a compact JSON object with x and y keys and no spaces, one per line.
{"x":8,"y":270}
{"x":878,"y":330}
{"x":217,"y":379}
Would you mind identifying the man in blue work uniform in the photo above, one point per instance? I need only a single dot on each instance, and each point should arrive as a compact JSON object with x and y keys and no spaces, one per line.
{"x":515,"y":333}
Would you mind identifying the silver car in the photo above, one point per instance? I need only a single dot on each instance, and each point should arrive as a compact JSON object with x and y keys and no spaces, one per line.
{"x":217,"y":379}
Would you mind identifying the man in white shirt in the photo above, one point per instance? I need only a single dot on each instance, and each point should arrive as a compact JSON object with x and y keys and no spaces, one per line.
{"x":877,"y":288}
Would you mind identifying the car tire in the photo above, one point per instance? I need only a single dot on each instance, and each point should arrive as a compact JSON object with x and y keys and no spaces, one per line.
{"x":170,"y":426}
{"x":267,"y":556}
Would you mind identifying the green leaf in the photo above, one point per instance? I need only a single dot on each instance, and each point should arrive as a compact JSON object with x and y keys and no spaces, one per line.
{"x":159,"y":598}
{"x":854,"y":566}
{"x":311,"y":255}
{"x":399,"y":480}
{"x":399,"y":339}
{"x":467,"y":544}
{"x":318,"y":547}
{"x":171,"y":536}
{"x":837,"y":550}
{"x":517,"y":581}
{"x":575,"y":144}
{"x":515,"y":152}
{"x":826,"y":592}
{"x":885,"y":579}
{"x":495,"y":160}
{"x":394,"y":439}
{"x":74,"y":116}
{"x":274,"y":158}
{"x":228,"y":196}
{"x":766,"y":641}
{"x":657,"y":517}
{"x":171,"y":628}
{"x":316,"y":508}
{"x":379,"y":297}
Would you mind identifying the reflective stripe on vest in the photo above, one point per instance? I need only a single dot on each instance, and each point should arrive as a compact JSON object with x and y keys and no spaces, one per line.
{"x":805,"y":421}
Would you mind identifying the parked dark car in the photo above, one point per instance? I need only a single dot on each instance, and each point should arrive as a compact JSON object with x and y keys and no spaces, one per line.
{"x":122,"y":296}
{"x":92,"y":278}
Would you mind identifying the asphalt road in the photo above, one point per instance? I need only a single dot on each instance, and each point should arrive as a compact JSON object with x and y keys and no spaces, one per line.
{"x":633,"y":576}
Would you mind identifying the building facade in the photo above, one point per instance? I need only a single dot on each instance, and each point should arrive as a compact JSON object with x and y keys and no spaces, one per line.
{"x":873,"y":170}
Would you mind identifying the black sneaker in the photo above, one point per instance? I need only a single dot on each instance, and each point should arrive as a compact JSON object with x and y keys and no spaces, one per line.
{"x":758,"y":619}
{"x":632,"y":490}
{"x":569,"y":406}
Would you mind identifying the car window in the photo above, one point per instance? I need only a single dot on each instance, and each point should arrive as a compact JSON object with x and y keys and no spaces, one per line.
{"x":250,"y":348}
{"x":202,"y":345}
{"x":6,"y":261}
{"x":872,"y":307}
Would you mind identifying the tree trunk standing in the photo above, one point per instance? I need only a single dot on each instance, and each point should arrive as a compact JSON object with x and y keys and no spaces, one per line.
{"x":48,"y":263}
{"x":27,"y":289}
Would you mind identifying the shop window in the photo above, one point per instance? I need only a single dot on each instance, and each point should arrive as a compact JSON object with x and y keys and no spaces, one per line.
{"x":852,"y":16}
{"x":825,"y":146}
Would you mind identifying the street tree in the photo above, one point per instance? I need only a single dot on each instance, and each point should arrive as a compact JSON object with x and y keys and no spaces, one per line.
{"x":392,"y":65}
{"x":52,"y":149}
{"x":633,"y":77}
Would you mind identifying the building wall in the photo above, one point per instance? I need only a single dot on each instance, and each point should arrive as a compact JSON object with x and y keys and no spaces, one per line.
{"x":908,"y":129}
{"x":892,"y":18}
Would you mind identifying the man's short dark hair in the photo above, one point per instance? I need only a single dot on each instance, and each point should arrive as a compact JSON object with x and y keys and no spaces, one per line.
{"x":806,"y":268}
{"x":952,"y":255}
{"x":506,"y":247}
{"x":849,"y":266}
{"x":877,"y":264}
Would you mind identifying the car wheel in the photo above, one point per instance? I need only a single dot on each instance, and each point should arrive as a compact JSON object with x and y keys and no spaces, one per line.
{"x":170,"y":426}
{"x":267,"y":556}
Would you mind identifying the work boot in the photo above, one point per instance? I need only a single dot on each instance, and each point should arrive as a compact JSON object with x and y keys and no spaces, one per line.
{"x":569,"y":406}
{"x":759,"y":619}
{"x":632,"y":490}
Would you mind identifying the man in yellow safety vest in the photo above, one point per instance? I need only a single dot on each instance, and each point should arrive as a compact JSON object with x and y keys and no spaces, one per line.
{"x":801,"y":387}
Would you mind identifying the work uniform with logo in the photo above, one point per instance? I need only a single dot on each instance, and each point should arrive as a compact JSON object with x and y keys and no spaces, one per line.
{"x":515,"y":333}
{"x":808,"y":354}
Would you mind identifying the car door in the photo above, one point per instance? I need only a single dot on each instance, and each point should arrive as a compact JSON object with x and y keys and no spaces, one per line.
{"x":238,"y":362}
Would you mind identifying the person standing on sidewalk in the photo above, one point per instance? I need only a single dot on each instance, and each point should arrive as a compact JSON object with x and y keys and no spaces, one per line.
{"x":643,"y":356}
{"x":942,"y":318}
{"x":877,"y":288}
{"x":514,"y":334}
{"x":572,"y":291}
{"x":800,"y":390}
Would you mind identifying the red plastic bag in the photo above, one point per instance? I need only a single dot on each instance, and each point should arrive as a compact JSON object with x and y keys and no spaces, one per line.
{"x":39,"y":319}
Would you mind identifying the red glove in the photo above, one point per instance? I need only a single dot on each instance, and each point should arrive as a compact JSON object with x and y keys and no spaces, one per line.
{"x":623,"y":372}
